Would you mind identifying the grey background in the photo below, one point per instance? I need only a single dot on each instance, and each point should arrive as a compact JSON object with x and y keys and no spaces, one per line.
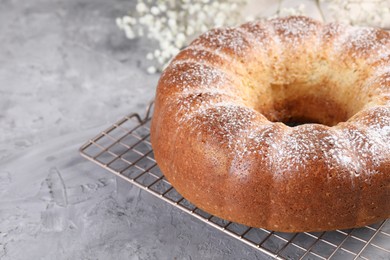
{"x":67,"y":72}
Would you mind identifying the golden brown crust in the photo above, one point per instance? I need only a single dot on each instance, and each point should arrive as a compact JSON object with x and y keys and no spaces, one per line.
{"x":214,"y":141}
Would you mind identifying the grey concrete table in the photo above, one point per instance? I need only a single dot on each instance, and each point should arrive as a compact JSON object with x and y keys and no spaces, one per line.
{"x":67,"y":72}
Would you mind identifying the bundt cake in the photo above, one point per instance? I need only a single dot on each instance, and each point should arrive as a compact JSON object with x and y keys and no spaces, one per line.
{"x":282,"y":124}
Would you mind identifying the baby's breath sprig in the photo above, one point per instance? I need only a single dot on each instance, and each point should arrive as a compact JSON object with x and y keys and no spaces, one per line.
{"x":174,"y":23}
{"x":360,"y":12}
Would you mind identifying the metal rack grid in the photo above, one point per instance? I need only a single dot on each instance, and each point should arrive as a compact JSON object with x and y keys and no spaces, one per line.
{"x":125,"y":150}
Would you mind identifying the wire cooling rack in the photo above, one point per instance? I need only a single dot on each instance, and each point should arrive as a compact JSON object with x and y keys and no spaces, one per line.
{"x":125,"y":150}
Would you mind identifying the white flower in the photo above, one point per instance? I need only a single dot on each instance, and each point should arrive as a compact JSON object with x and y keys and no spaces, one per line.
{"x":180,"y":40}
{"x":160,"y":59}
{"x":129,"y":20}
{"x":172,"y":14}
{"x":157,"y":53}
{"x":220,"y":19}
{"x":146,"y":20}
{"x":119,"y":22}
{"x":190,"y":30}
{"x":164,"y":44}
{"x":151,"y":70}
{"x":202,"y":16}
{"x":173,"y":51}
{"x":149,"y":56}
{"x":141,"y":7}
{"x":203,"y":28}
{"x":166,"y":54}
{"x":354,"y":12}
{"x":129,"y":32}
{"x":172,"y":23}
{"x":154,"y":10}
{"x":162,"y":7}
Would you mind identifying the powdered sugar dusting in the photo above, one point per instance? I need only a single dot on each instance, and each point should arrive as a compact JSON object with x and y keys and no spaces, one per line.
{"x":368,"y":135}
{"x":209,"y":56}
{"x":191,"y":103}
{"x":187,"y":76}
{"x":255,"y":34}
{"x":363,"y":42}
{"x":206,"y":103}
{"x":258,"y":30}
{"x":381,"y":60}
{"x":378,"y":84}
{"x":226,"y":118}
{"x":339,"y":156}
{"x":202,"y":53}
{"x":368,"y":145}
{"x":224,"y":39}
{"x":230,"y":125}
{"x":294,"y":30}
{"x":374,"y":118}
{"x":227,"y":122}
{"x":367,"y":40}
{"x":255,"y":149}
{"x":295,"y":150}
{"x":332,"y":31}
{"x":309,"y":146}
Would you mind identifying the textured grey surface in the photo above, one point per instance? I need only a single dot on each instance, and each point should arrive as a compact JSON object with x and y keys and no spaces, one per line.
{"x":66,"y":73}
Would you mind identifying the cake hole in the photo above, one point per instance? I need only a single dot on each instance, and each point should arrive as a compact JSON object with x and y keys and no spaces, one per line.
{"x":295,"y":122}
{"x":306,"y":109}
